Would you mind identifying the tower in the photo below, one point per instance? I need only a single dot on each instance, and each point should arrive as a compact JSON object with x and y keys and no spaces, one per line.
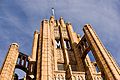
{"x":58,"y":53}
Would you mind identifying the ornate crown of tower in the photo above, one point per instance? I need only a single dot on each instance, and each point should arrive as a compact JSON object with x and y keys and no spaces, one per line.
{"x":58,"y":53}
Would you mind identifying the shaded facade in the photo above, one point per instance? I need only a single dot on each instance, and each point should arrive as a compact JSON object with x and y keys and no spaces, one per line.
{"x":58,"y":53}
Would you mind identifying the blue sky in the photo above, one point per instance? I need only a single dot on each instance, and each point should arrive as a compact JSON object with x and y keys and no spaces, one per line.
{"x":20,"y":18}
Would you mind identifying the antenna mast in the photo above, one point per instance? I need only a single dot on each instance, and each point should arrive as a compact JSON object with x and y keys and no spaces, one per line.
{"x":53,"y":12}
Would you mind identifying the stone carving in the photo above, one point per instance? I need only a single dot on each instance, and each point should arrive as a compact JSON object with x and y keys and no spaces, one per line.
{"x":60,"y":57}
{"x":56,"y":32}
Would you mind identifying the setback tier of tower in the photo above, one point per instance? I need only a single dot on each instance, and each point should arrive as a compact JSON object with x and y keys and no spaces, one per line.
{"x":58,"y":53}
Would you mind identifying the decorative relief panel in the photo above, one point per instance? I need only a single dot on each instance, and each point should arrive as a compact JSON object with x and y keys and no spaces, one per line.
{"x":98,"y":76}
{"x":78,"y":75}
{"x":56,"y":32}
{"x":59,"y":75}
{"x":60,"y":57}
{"x":64,"y":32}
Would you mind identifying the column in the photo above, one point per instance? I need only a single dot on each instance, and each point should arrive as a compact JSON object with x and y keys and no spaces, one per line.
{"x":39,"y":55}
{"x":66,"y":58}
{"x":46,"y":68}
{"x":101,"y":55}
{"x":89,"y":69}
{"x":74,"y":42}
{"x":34,"y":46}
{"x":7,"y":70}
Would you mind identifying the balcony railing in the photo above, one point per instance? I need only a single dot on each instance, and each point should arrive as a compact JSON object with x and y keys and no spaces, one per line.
{"x":60,"y":75}
{"x":78,"y":75}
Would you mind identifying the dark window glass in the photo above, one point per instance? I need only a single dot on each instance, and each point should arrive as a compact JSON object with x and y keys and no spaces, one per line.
{"x":97,"y":69}
{"x":60,"y":66}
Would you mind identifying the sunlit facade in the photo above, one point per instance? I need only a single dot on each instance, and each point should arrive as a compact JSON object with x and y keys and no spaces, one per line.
{"x":58,"y":53}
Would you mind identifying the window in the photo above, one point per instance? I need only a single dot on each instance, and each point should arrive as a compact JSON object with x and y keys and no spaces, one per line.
{"x":74,"y":68}
{"x":58,"y":44}
{"x":67,"y":44}
{"x":97,"y":69}
{"x":60,"y":66}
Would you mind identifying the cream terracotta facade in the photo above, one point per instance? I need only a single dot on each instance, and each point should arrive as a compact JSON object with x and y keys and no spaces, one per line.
{"x":58,"y":53}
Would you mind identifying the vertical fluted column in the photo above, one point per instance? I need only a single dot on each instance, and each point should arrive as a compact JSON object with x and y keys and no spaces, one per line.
{"x":39,"y":55}
{"x":44,"y":65}
{"x":89,"y":69}
{"x":52,"y":25}
{"x":66,"y":57}
{"x":101,"y":54}
{"x":74,"y":42}
{"x":46,"y":69}
{"x":63,"y":47}
{"x":34,"y":46}
{"x":8,"y":67}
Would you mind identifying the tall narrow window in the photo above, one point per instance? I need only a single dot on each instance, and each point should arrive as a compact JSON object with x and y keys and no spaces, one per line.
{"x":97,"y":69}
{"x":67,"y":44}
{"x":58,"y":44}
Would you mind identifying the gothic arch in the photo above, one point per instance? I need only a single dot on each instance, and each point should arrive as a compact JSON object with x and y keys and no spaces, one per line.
{"x":22,"y":62}
{"x":90,"y":41}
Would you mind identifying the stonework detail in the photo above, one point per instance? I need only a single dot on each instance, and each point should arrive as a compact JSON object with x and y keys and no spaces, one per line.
{"x":60,"y":57}
{"x":64,"y":33}
{"x":56,"y":32}
{"x":58,"y":53}
{"x":7,"y":70}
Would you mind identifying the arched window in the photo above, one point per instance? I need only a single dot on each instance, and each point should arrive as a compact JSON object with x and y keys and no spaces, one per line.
{"x":20,"y":74}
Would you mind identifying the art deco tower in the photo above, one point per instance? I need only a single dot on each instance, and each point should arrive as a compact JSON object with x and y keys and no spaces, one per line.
{"x":58,"y":53}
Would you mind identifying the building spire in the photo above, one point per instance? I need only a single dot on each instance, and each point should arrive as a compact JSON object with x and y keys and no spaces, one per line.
{"x":53,"y":12}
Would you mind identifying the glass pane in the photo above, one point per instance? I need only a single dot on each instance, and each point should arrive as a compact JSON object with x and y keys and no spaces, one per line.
{"x":60,"y":66}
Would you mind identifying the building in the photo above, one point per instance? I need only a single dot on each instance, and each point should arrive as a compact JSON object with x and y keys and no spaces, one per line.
{"x":58,"y":53}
